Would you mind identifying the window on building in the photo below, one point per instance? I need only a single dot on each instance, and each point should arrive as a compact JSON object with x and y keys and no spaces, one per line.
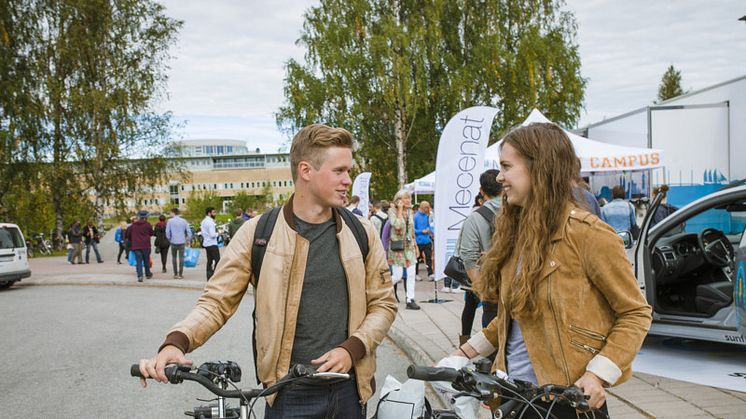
{"x":215,"y":186}
{"x":174,"y":201}
{"x":183,"y":201}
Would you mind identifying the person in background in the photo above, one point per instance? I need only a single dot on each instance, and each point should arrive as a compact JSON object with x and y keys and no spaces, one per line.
{"x":246,"y":214}
{"x":235,"y":223}
{"x":474,"y":239}
{"x":210,"y":240}
{"x":75,"y":235}
{"x":69,"y":246}
{"x":119,"y":238}
{"x":619,"y":213}
{"x":161,"y":241}
{"x":378,"y":217}
{"x":139,"y":234}
{"x":91,"y":239}
{"x":424,"y":238}
{"x":354,"y":202}
{"x":582,"y":193}
{"x":178,"y":234}
{"x":561,"y":277}
{"x":664,"y":209}
{"x":402,"y":231}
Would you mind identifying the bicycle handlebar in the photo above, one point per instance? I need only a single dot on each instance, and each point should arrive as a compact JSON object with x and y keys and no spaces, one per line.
{"x":178,"y":373}
{"x":479,"y":385}
{"x":419,"y":372}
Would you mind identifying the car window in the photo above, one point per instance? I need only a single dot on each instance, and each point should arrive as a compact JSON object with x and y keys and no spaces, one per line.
{"x":730,"y":223}
{"x":10,"y":238}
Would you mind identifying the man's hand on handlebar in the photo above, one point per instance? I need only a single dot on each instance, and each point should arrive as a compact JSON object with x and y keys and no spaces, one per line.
{"x":336,"y":360}
{"x":154,"y":367}
{"x":594,"y":387}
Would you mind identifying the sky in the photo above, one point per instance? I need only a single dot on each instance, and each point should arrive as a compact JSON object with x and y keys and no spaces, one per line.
{"x":227,"y":68}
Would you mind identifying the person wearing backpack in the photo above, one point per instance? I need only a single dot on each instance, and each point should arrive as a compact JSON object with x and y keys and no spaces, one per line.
{"x":474,"y":239}
{"x":308,"y":252}
{"x":379,"y":216}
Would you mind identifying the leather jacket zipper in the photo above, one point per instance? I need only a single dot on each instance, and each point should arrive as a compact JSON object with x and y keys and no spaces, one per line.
{"x":588,"y":333}
{"x":556,"y":324}
{"x":584,"y":346}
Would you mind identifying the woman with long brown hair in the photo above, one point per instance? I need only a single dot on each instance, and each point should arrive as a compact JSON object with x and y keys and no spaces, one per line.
{"x":569,"y":309}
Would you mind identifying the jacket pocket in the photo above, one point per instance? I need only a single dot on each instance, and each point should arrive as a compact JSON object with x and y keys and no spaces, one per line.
{"x":584,"y":346}
{"x":588,"y":333}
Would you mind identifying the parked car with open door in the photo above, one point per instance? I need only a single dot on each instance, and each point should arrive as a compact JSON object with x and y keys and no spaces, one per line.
{"x":690,"y":267}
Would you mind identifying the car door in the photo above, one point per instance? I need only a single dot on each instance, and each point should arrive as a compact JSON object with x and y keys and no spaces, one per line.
{"x":650,"y":235}
{"x":641,"y":262}
{"x":739,"y":289}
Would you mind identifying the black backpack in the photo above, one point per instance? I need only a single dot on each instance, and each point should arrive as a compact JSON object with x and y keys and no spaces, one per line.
{"x":263,"y":233}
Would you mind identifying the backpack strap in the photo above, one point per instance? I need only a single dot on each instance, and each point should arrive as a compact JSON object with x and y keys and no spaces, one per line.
{"x":488,"y":215}
{"x":357,"y":229}
{"x":262,"y":234}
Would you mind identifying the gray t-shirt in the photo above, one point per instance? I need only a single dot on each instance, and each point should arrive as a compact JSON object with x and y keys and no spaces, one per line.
{"x":324,"y":304}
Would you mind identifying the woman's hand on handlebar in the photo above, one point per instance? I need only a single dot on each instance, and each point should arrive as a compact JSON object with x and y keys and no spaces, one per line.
{"x":154,"y":367}
{"x":466,"y":351}
{"x":593,"y":387}
{"x":336,"y":360}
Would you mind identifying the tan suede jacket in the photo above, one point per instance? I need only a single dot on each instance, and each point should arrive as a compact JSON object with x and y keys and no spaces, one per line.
{"x":372,"y":305}
{"x":592,"y":315}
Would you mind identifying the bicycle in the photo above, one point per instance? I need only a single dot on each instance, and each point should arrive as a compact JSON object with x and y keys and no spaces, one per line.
{"x":218,"y":376}
{"x":506,"y":398}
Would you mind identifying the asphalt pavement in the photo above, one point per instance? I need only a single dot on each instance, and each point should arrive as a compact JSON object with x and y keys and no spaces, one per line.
{"x":68,"y":351}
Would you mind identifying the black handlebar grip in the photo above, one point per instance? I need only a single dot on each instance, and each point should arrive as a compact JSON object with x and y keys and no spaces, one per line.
{"x":135,"y":370}
{"x":419,"y":372}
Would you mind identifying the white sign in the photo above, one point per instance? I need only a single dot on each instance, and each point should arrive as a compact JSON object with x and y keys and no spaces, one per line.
{"x":459,"y":163}
{"x":360,"y":188}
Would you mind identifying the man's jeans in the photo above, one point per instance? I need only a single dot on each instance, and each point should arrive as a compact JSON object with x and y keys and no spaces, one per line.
{"x":177,"y":250}
{"x":213,"y":257}
{"x":88,"y":251}
{"x":142,"y":257}
{"x":317,"y":401}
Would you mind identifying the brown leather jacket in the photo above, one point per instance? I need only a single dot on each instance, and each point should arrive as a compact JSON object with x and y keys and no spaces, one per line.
{"x":592,"y":315}
{"x":372,"y":305}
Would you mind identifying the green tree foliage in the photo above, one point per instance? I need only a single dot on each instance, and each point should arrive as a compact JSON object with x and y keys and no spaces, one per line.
{"x":670,"y":84}
{"x":92,"y":71}
{"x":244,"y":200}
{"x":198,"y":201}
{"x":394,"y":72}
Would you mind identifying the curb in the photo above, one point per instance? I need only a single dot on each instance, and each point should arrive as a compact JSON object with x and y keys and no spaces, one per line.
{"x":417,"y":355}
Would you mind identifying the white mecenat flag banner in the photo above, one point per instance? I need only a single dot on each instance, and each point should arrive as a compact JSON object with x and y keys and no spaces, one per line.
{"x":360,"y":188}
{"x":459,"y":163}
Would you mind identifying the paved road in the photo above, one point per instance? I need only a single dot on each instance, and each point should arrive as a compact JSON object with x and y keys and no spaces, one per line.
{"x":67,"y":351}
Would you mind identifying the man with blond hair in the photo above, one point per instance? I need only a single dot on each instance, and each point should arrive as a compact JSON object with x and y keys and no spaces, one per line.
{"x":311,"y":258}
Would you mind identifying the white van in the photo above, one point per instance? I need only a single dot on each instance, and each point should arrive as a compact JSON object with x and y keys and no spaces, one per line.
{"x":13,"y":255}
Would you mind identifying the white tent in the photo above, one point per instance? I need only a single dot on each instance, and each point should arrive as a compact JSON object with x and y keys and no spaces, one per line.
{"x":595,"y":156}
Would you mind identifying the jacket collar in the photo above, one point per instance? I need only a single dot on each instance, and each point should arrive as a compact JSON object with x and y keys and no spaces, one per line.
{"x":287,"y":212}
{"x":570,"y":211}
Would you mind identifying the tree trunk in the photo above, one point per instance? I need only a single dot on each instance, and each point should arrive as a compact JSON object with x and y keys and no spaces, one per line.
{"x":400,"y":139}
